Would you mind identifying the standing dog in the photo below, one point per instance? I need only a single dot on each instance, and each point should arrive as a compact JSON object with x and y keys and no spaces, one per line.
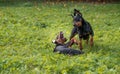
{"x":63,"y":47}
{"x":82,"y":28}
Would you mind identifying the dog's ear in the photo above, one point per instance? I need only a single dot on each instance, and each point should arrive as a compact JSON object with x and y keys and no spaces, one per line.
{"x":77,"y":12}
{"x":61,"y":34}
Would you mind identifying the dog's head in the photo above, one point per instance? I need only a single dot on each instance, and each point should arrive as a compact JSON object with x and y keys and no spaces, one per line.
{"x":60,"y":39}
{"x":78,"y":20}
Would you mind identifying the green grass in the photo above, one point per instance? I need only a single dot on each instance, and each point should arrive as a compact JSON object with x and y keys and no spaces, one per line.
{"x":26,"y":32}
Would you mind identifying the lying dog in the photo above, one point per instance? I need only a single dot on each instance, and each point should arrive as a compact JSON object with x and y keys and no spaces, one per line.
{"x":63,"y":47}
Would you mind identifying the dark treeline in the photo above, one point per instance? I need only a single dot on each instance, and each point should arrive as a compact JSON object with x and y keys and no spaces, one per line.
{"x":99,"y":1}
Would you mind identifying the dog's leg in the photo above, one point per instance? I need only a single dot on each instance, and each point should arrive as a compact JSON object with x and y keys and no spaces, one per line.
{"x":87,"y":41}
{"x":73,"y":33}
{"x":80,"y":44}
{"x":91,"y":41}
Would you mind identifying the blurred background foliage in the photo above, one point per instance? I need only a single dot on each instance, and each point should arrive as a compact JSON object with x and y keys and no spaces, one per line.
{"x":61,"y":0}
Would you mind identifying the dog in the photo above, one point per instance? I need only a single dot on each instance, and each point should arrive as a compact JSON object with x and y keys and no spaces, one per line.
{"x":82,"y":28}
{"x":64,"y":48}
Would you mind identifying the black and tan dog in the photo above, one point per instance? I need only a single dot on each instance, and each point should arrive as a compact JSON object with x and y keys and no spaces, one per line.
{"x":63,"y":47}
{"x":82,"y":28}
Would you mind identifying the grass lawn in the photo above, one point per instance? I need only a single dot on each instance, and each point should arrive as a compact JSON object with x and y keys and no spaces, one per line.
{"x":27,"y":30}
